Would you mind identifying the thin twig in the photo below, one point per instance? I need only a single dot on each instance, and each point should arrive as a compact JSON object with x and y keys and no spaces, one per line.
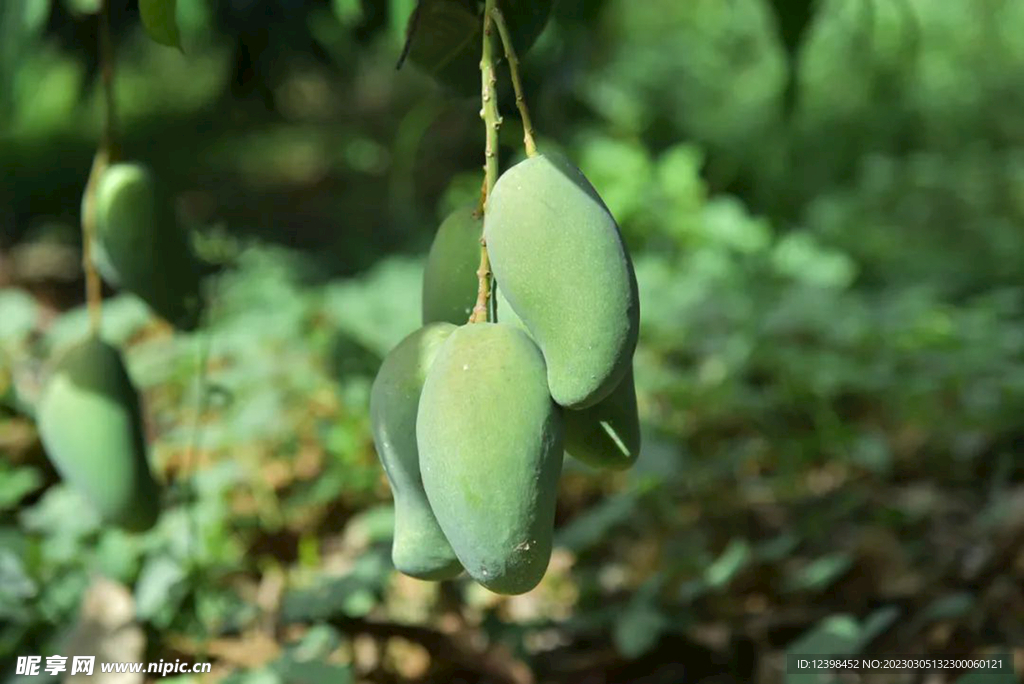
{"x":517,"y":83}
{"x":492,"y":122}
{"x":106,"y":154}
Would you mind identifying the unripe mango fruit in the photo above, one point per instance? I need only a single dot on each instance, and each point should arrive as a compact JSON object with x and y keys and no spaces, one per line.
{"x":90,"y":424}
{"x":607,"y":434}
{"x":506,"y":314}
{"x":420,"y":548}
{"x":561,"y":262}
{"x":138,"y":246}
{"x":449,"y":278}
{"x":490,"y":441}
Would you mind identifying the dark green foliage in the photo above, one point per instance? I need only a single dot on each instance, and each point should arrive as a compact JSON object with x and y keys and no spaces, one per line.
{"x":444,"y":37}
{"x":449,"y":278}
{"x":490,"y":442}
{"x":607,"y":434}
{"x":561,"y":262}
{"x":420,"y":548}
{"x":90,"y":423}
{"x":160,"y":21}
{"x":139,"y":246}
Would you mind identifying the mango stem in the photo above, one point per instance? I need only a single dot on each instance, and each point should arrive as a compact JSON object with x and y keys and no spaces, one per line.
{"x":93,"y":288}
{"x":107,"y":153}
{"x":517,"y":83}
{"x":492,"y":122}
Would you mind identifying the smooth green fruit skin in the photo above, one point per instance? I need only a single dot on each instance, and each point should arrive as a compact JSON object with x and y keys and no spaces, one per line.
{"x":506,"y":314}
{"x":139,"y":246}
{"x":561,"y":262}
{"x":449,"y":278}
{"x":90,"y":424}
{"x":491,"y":441}
{"x":607,"y":434}
{"x":420,"y":548}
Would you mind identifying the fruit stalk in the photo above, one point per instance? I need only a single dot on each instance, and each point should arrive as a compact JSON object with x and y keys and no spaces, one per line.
{"x":492,"y":122}
{"x":105,"y":155}
{"x":517,"y":83}
{"x":93,"y":290}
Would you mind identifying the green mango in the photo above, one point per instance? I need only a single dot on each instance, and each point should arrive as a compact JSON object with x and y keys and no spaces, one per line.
{"x":490,"y":441}
{"x":420,"y":548}
{"x":561,"y":262}
{"x":138,"y":246}
{"x":607,"y":434}
{"x":90,"y":424}
{"x":449,"y":279}
{"x":506,"y":314}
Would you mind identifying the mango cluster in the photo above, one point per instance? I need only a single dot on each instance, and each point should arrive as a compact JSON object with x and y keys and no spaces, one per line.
{"x":472,"y":420}
{"x":89,"y":413}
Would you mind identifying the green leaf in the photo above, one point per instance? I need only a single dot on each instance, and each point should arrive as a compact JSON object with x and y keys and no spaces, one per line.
{"x":595,"y":524}
{"x":733,"y":559}
{"x":876,"y":623}
{"x":837,"y":635}
{"x":353,"y":595}
{"x":20,"y":313}
{"x":117,"y":555}
{"x":821,"y":573}
{"x":347,"y":12}
{"x":376,"y":310}
{"x":16,"y":483}
{"x":306,"y":661}
{"x":159,"y":17}
{"x":83,"y":6}
{"x":373,"y":526}
{"x":16,"y":586}
{"x":639,"y":630}
{"x":161,"y":587}
{"x":643,"y":621}
{"x":123,"y":316}
{"x":443,"y":37}
{"x":61,"y":514}
{"x":948,"y":607}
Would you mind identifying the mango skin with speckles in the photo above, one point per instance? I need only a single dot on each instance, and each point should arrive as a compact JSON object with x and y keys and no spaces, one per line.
{"x":561,"y":263}
{"x":138,"y":246}
{"x":491,"y":448}
{"x":90,"y":424}
{"x":420,"y":548}
{"x":449,"y":278}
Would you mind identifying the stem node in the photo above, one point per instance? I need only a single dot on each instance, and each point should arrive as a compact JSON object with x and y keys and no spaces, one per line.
{"x":492,"y":120}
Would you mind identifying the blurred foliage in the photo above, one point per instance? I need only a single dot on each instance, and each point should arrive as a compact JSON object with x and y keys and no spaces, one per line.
{"x":827,"y":220}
